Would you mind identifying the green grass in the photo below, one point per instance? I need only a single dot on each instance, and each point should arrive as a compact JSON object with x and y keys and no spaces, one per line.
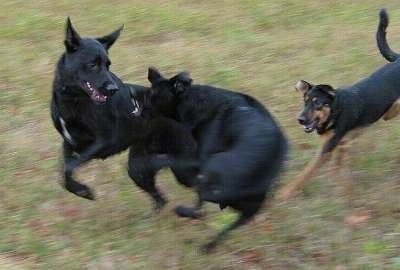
{"x":257,"y":47}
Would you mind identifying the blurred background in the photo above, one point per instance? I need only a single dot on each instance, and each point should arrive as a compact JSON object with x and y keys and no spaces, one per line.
{"x":257,"y":47}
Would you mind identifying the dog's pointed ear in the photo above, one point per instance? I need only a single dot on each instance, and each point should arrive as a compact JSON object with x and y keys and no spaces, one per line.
{"x":72,"y":38}
{"x":303,"y":86}
{"x":154,"y":75}
{"x":181,"y":82}
{"x":108,"y":40}
{"x":328,"y":89}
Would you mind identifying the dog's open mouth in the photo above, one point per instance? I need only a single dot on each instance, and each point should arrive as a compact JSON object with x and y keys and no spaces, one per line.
{"x":311,"y":126}
{"x":94,"y":93}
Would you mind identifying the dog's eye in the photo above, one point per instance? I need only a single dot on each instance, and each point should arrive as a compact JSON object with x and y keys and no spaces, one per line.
{"x":93,"y":66}
{"x":316,"y":102}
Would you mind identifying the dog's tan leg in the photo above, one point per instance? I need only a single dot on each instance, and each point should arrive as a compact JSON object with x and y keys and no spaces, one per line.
{"x":393,"y":111}
{"x":343,"y":162}
{"x":342,"y":167}
{"x":342,"y":149}
{"x":290,"y":189}
{"x":340,"y":154}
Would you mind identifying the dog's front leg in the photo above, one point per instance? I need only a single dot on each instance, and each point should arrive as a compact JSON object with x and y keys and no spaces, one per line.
{"x":343,"y":163}
{"x":69,"y":183}
{"x":85,"y":156}
{"x":71,"y":163}
{"x":330,"y":141}
{"x":142,"y":171}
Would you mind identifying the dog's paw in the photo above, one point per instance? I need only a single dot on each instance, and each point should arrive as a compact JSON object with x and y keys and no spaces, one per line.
{"x":208,"y":247}
{"x":189,"y":212}
{"x":159,"y":205}
{"x":79,"y":190}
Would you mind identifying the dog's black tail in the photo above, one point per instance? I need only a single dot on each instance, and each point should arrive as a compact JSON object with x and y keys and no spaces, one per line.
{"x":383,"y":46}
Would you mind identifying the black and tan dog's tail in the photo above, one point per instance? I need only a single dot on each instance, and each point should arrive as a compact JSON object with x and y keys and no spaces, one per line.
{"x":383,"y":46}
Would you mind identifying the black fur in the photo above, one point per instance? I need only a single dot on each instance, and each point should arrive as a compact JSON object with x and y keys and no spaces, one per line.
{"x":240,"y":146}
{"x":98,"y":116}
{"x":383,"y":46}
{"x":361,"y":104}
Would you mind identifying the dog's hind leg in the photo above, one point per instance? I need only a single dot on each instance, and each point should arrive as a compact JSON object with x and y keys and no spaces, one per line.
{"x":241,"y":220}
{"x":393,"y":111}
{"x":144,"y":177}
{"x":247,"y":207}
{"x":343,"y":163}
{"x":69,"y":183}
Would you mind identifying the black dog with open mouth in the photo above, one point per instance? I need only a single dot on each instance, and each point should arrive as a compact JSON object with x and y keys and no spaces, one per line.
{"x":98,"y":115}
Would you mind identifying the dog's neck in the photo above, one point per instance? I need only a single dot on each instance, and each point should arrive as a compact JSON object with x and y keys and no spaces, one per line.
{"x":328,"y":125}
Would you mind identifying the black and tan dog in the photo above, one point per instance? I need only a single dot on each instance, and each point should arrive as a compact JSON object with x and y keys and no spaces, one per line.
{"x":240,"y":146}
{"x":338,"y":115}
{"x":98,"y":115}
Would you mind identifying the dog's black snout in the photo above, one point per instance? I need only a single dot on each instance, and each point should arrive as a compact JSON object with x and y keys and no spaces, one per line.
{"x":301,"y":119}
{"x":111,"y":88}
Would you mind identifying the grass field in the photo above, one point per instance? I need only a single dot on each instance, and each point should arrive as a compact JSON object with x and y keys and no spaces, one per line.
{"x":257,"y":47}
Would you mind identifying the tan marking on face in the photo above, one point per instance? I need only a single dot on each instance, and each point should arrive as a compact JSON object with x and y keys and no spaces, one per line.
{"x":322,"y":114}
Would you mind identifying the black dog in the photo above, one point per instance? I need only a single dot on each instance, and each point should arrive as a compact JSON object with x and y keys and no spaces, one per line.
{"x":98,"y":115}
{"x":338,"y":114}
{"x":240,"y":146}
